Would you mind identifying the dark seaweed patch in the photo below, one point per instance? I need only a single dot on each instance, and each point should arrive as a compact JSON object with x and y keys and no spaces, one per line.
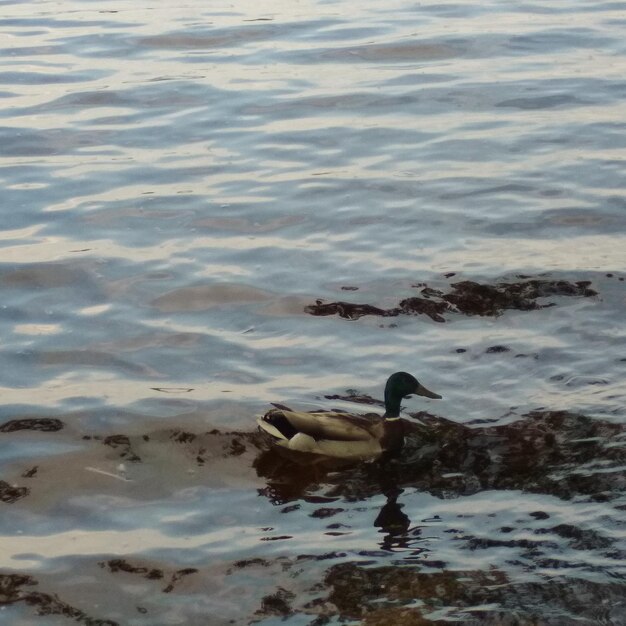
{"x":231,"y":443}
{"x":354,"y":396}
{"x":497,"y":349}
{"x":422,"y":306}
{"x":123,"y":442}
{"x":466,"y":297}
{"x":580,"y":538}
{"x":236,"y":447}
{"x":383,"y":595}
{"x":250,"y":562}
{"x":45,"y":424}
{"x":537,"y":453}
{"x":325,"y":512}
{"x":31,"y":472}
{"x":10,"y":494}
{"x":182,"y":437}
{"x":277,"y":603}
{"x":178,"y":575}
{"x":121,"y":565}
{"x":539,"y":515}
{"x":12,"y":591}
{"x":348,"y":310}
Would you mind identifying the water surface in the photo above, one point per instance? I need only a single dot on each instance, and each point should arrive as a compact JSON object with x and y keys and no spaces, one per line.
{"x":181,"y":184}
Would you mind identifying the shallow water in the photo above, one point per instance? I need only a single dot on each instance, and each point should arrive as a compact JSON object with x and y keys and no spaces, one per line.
{"x":182,"y":185}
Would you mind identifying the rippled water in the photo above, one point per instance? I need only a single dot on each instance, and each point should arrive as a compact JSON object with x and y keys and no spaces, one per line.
{"x":180,"y":184}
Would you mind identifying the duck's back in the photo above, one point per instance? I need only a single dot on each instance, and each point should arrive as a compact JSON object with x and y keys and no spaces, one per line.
{"x":323,"y":425}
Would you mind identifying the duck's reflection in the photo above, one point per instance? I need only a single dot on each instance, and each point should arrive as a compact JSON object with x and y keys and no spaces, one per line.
{"x":290,"y":477}
{"x":394,"y":523}
{"x":391,"y":519}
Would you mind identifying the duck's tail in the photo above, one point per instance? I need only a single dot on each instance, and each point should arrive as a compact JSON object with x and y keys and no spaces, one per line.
{"x":275,"y":424}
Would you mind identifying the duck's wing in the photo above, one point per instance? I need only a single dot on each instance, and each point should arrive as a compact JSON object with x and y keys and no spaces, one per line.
{"x":333,"y":448}
{"x":330,"y":425}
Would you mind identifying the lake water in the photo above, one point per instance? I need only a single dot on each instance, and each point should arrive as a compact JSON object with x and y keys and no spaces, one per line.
{"x":186,"y":186}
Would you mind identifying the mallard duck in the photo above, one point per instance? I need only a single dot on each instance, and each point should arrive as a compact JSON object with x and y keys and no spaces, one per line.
{"x":343,"y":435}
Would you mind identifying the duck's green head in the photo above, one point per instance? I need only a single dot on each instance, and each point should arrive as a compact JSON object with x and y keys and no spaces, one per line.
{"x":400,"y":385}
